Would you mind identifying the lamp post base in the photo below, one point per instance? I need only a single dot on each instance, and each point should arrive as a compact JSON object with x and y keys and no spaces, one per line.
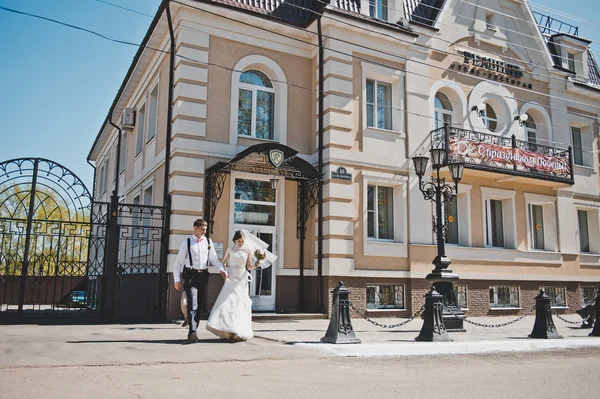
{"x":452,"y":313}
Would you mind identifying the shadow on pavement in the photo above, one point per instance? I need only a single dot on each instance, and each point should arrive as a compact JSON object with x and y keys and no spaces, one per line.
{"x":152,"y":341}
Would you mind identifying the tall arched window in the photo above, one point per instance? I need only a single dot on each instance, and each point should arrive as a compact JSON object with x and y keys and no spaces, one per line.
{"x":256,"y":106}
{"x":443,"y":110}
{"x":530,"y":129}
{"x":489,"y":118}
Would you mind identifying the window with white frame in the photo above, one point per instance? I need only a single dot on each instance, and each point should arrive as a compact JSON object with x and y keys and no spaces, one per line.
{"x":571,"y":62}
{"x":504,"y":297}
{"x":489,"y":118}
{"x":499,"y":218}
{"x":383,"y":98}
{"x":139,"y":141}
{"x":385,"y":297}
{"x":101,"y":185}
{"x":442,"y":110}
{"x":379,"y":104}
{"x":557,"y":295}
{"x":577,"y":146}
{"x":456,"y":215}
{"x":384,"y":210}
{"x":541,"y":225}
{"x":152,"y":113}
{"x":115,"y":158}
{"x":123,"y":154}
{"x":588,"y":296}
{"x":256,"y":108}
{"x":146,"y":221}
{"x":584,"y":232}
{"x":460,"y":293}
{"x":378,"y":9}
{"x":531,"y":132}
{"x":380,"y":212}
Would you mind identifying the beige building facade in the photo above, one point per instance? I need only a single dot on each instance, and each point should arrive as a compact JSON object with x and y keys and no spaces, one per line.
{"x":518,"y":104}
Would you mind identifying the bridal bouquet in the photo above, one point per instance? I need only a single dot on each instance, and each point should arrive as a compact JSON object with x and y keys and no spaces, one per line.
{"x":260,"y":254}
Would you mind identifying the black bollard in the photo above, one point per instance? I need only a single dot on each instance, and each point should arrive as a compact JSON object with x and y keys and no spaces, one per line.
{"x":596,"y":331}
{"x":340,"y":329}
{"x":543,"y":327}
{"x":433,"y":329}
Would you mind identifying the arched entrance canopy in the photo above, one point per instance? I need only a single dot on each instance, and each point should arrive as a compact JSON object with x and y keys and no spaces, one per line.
{"x":267,"y":159}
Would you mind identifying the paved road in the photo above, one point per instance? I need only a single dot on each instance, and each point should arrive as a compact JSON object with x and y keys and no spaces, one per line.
{"x":543,"y":374}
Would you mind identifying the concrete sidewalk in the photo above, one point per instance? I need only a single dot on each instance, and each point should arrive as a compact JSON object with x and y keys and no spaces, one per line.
{"x":90,"y":345}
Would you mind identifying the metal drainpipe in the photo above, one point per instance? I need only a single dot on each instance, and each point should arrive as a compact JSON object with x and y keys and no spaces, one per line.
{"x":164,"y":281}
{"x":118,"y":155}
{"x":320,"y":188}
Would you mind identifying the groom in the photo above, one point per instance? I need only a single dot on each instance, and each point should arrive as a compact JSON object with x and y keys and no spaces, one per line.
{"x":191,"y":265}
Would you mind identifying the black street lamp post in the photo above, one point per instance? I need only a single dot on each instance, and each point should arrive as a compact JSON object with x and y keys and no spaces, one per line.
{"x":440,"y":192}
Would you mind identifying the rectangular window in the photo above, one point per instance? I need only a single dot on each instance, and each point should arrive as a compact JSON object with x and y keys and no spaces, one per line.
{"x":558,"y":296}
{"x":135,"y":230}
{"x":123,"y":154}
{"x":451,"y":215}
{"x":245,"y":113}
{"x":577,"y":147}
{"x":504,"y":297}
{"x":379,"y":104}
{"x":265,"y":111}
{"x":254,"y":202}
{"x":139,"y":143}
{"x":115,"y":171}
{"x":378,"y":9}
{"x":460,"y":292}
{"x":584,"y":237}
{"x":380,"y":212}
{"x":385,"y":297}
{"x":101,"y":185}
{"x":494,"y":223}
{"x":588,"y":296}
{"x":536,"y":214}
{"x":571,"y":61}
{"x":152,"y":113}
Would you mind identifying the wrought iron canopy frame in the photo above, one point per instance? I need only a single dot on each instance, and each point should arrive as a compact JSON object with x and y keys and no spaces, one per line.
{"x":257,"y":159}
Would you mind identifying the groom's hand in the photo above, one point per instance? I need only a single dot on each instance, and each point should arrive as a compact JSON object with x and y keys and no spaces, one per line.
{"x":224,"y":274}
{"x":177,"y":285}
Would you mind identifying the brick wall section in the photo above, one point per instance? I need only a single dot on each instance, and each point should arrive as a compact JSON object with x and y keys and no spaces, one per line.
{"x":288,"y":297}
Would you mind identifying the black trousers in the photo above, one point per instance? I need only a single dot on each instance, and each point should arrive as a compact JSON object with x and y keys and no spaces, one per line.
{"x":194,"y":284}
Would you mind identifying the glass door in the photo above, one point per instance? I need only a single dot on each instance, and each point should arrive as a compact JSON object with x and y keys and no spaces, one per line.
{"x":255,"y":209}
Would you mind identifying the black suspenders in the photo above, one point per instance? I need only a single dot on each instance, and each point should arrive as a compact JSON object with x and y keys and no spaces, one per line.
{"x":189,"y":245}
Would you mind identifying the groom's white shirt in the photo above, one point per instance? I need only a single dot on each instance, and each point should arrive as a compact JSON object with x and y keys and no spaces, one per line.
{"x":200,"y":255}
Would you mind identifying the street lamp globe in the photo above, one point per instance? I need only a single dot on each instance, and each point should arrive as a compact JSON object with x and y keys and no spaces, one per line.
{"x":438,"y":157}
{"x":420,"y":164}
{"x":456,"y":170}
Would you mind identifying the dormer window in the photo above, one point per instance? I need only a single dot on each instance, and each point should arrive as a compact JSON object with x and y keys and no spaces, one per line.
{"x":571,"y":61}
{"x":378,"y":9}
{"x":490,"y":19}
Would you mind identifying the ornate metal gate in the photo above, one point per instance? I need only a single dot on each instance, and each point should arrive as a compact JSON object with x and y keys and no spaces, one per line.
{"x":61,"y":253}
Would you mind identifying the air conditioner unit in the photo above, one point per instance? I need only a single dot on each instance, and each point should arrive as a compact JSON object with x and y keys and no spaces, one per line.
{"x":128,"y":118}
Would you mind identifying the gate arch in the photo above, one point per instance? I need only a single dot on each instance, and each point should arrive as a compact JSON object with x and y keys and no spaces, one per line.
{"x":52,"y":240}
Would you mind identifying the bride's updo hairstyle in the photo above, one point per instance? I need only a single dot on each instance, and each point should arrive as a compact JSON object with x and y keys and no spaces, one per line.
{"x":237,"y":235}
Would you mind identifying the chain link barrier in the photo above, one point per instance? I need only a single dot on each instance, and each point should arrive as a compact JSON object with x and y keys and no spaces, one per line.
{"x":367,"y":318}
{"x":464,"y":318}
{"x":568,"y":321}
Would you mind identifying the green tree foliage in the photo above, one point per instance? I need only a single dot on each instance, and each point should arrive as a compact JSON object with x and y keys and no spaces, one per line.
{"x":59,"y":232}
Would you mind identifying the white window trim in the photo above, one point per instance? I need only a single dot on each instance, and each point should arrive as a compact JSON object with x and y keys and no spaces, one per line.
{"x":488,"y":193}
{"x":463,"y":208}
{"x":593,"y":216}
{"x":386,"y":309}
{"x":537,"y":108}
{"x":398,"y":247}
{"x":156,"y":86}
{"x":274,"y":72}
{"x":137,"y":128}
{"x":505,"y":307}
{"x":548,"y":204}
{"x":396,"y":79}
{"x":459,"y":104}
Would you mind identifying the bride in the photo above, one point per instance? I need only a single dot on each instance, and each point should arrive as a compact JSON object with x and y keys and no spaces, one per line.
{"x":231,"y":316}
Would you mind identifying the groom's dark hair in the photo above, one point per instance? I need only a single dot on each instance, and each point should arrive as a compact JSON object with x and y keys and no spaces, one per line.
{"x":237,"y":235}
{"x":200,"y":222}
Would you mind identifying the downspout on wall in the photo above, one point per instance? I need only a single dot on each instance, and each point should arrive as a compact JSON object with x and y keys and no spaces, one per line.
{"x":164,"y":280}
{"x":320,"y":169}
{"x":118,"y":155}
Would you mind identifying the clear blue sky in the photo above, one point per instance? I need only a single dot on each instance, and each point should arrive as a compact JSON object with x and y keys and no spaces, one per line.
{"x":57,"y":83}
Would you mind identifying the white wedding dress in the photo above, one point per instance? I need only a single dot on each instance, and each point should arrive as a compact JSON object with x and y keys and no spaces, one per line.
{"x":232,"y":313}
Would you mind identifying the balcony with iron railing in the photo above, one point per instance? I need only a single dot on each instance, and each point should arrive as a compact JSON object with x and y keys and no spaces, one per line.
{"x":505,"y":154}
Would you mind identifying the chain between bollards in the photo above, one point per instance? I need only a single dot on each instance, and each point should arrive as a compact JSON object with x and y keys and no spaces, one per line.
{"x":364,"y":316}
{"x":567,"y":321}
{"x":491,"y":325}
